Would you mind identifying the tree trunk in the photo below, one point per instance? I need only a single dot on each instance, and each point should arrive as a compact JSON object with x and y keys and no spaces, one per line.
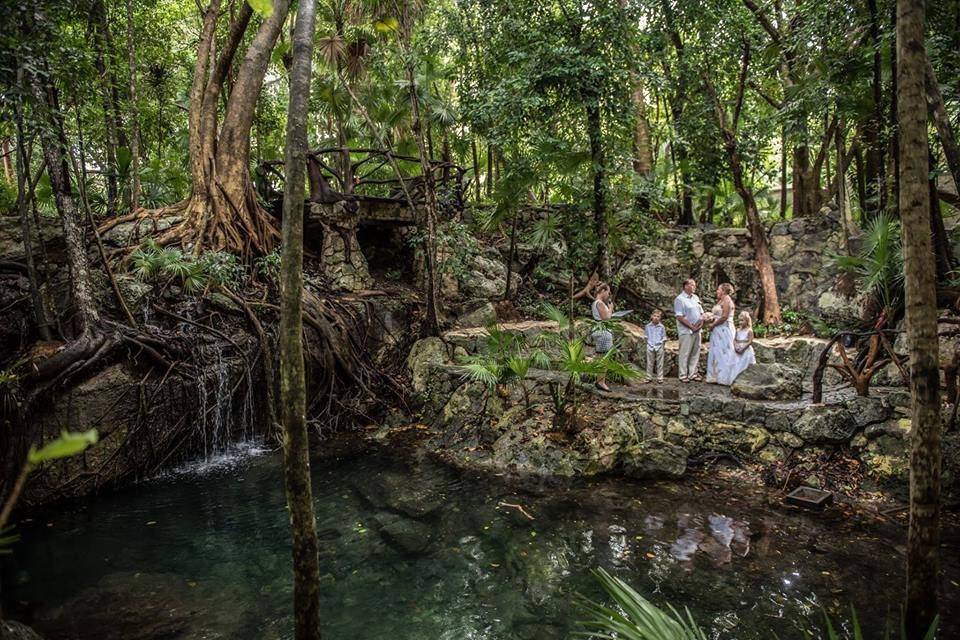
{"x":23,"y":195}
{"x":490,"y":154}
{"x":894,"y":124}
{"x":106,"y":101}
{"x":706,"y":217}
{"x":428,"y":220}
{"x":595,"y":133}
{"x":938,"y":232}
{"x":54,"y":144}
{"x":642,"y":150}
{"x":222,"y":212}
{"x":801,"y":180}
{"x":7,"y":163}
{"x":783,"y":174}
{"x":134,"y":115}
{"x":938,"y":113}
{"x":476,"y":168}
{"x":293,"y":391}
{"x":762,"y":261}
{"x":923,"y":538}
{"x":758,"y":237}
{"x":875,"y":193}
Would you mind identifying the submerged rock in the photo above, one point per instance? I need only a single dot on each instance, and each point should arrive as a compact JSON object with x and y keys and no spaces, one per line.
{"x":392,"y":490}
{"x":405,"y":534}
{"x":768,"y":381}
{"x":10,"y":630}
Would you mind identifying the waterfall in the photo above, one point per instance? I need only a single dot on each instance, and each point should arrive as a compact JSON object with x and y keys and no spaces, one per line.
{"x":224,"y":425}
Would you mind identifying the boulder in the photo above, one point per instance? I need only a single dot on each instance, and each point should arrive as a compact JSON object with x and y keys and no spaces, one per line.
{"x":424,"y":354}
{"x":604,"y":448}
{"x":654,"y":459}
{"x":130,"y":233}
{"x":768,"y":381}
{"x":481,"y":316}
{"x":868,"y":410}
{"x":825,"y":424}
{"x":471,"y":402}
{"x":528,"y":449}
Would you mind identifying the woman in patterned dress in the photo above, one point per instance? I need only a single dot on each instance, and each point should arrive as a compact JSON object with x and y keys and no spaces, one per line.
{"x":602,"y":309}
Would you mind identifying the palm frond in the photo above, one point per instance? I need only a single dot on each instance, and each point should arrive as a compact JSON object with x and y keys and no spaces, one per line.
{"x":635,"y":617}
{"x":486,"y":373}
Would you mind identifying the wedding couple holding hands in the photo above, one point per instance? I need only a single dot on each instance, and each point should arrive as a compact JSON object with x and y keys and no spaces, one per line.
{"x":731,"y":349}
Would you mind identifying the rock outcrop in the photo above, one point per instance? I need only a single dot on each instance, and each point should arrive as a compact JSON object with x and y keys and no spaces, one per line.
{"x":768,"y":381}
{"x":807,"y":280}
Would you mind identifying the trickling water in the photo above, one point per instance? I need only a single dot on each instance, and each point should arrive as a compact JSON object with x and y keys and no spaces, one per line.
{"x":413,"y":551}
{"x":220,"y":381}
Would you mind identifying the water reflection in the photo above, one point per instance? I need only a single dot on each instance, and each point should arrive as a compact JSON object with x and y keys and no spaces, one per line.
{"x":413,"y":551}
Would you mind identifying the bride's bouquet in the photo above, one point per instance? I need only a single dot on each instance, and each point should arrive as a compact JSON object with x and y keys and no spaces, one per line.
{"x":708,"y":318}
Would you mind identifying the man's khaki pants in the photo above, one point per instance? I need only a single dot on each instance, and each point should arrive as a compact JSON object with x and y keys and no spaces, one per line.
{"x":655,"y":363}
{"x":688,"y":362}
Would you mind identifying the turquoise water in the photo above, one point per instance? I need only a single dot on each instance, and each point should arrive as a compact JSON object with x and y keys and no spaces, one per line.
{"x":411,"y":550}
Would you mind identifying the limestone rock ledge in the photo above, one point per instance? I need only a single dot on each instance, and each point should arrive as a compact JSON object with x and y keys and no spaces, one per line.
{"x":650,"y":431}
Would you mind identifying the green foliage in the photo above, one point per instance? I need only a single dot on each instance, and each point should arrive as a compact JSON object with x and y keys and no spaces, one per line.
{"x":221,"y":269}
{"x":67,"y":445}
{"x":506,"y":360}
{"x":8,"y":197}
{"x":879,"y":264}
{"x":263,"y":7}
{"x":213,"y":269}
{"x":269,"y":265}
{"x":633,"y":617}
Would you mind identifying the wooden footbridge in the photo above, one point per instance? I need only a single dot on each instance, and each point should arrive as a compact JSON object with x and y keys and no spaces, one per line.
{"x":366,"y":181}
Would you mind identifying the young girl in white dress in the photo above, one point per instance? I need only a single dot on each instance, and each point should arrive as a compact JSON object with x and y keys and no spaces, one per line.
{"x":743,"y":345}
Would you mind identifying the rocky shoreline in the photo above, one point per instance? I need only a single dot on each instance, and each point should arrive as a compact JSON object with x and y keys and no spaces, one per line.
{"x":649,"y":431}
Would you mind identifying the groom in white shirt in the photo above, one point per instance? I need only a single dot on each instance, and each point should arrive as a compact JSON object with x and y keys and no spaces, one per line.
{"x":688,"y":311}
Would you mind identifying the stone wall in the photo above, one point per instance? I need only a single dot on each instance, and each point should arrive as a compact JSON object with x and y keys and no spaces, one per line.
{"x":802,"y":253}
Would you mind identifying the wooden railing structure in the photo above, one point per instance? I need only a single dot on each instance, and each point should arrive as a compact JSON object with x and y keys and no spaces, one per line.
{"x":859,"y":370}
{"x":367,"y":179}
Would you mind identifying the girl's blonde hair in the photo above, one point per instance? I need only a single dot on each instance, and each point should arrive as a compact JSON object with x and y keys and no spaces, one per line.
{"x":745,"y":316}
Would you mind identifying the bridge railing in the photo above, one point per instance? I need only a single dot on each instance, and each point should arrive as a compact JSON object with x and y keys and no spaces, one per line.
{"x":339,"y":174}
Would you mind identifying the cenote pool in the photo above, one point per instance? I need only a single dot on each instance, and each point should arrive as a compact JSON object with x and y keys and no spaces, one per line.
{"x":412,"y":550}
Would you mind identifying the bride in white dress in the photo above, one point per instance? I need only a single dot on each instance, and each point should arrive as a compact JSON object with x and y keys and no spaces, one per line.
{"x":721,"y":359}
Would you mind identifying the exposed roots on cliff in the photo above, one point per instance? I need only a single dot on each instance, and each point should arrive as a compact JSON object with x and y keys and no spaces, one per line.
{"x":211,"y":223}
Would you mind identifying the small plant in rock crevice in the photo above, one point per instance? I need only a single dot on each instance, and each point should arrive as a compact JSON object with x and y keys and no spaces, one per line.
{"x":506,"y":362}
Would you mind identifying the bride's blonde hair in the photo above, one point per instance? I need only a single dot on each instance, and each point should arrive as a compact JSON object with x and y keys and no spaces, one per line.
{"x":727,"y":288}
{"x":745,"y":318}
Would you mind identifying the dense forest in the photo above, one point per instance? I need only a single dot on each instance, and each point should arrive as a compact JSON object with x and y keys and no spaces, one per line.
{"x":294,"y":223}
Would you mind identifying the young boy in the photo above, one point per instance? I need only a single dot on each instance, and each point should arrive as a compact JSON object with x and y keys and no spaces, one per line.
{"x":656,"y":338}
